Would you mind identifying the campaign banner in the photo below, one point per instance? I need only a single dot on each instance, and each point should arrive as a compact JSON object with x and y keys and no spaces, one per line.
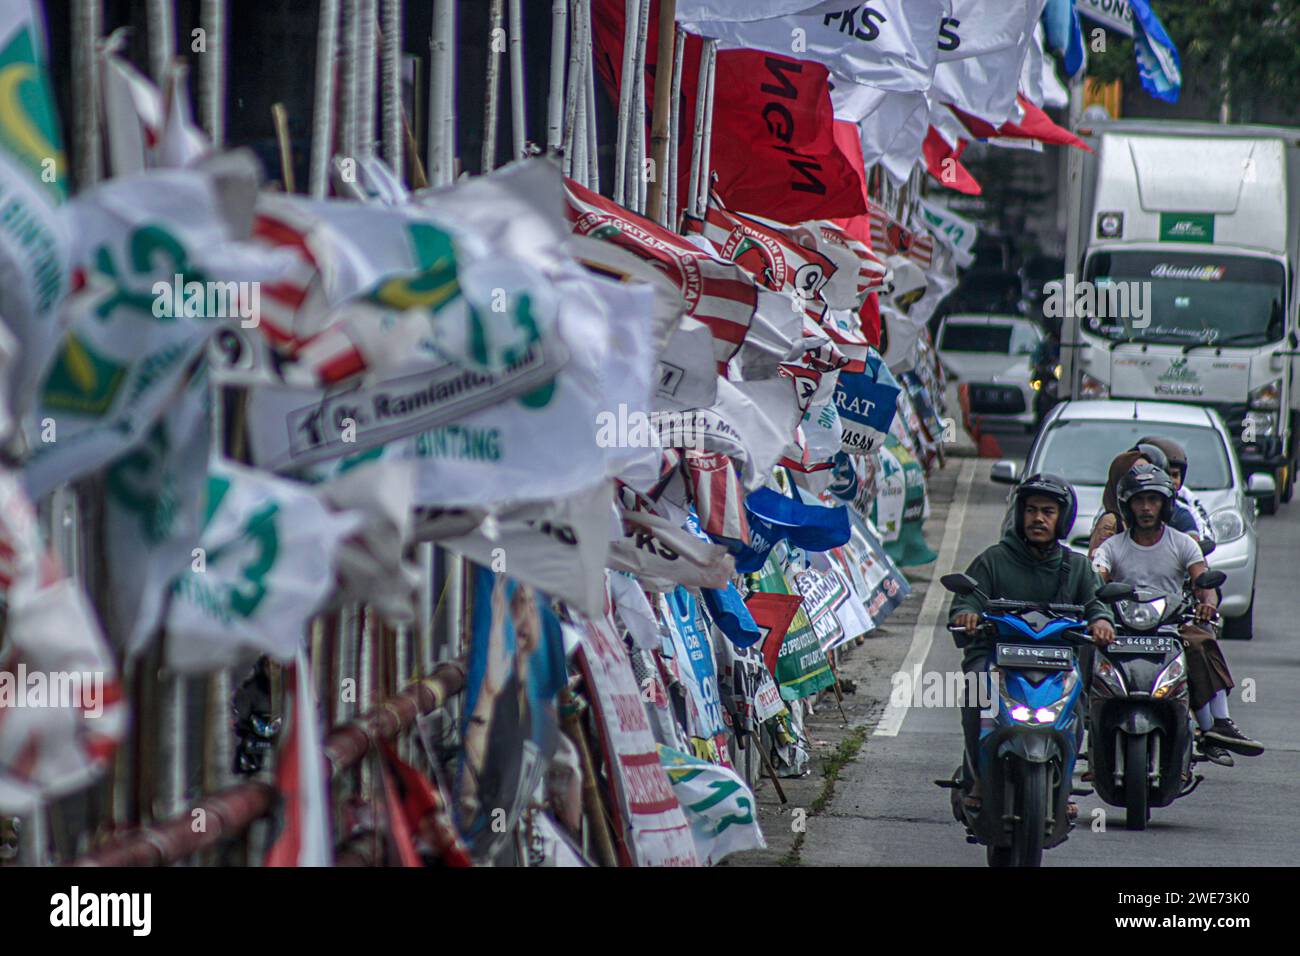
{"x":886,"y":586}
{"x":866,"y":404}
{"x":651,"y":827}
{"x":510,"y":729}
{"x":797,"y":661}
{"x":822,"y":593}
{"x":718,"y":804}
{"x":690,"y":635}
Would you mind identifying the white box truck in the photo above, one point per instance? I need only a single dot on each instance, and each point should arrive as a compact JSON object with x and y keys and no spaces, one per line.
{"x":1183,"y":285}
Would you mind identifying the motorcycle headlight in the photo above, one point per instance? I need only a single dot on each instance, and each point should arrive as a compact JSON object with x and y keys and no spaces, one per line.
{"x":1228,"y":525}
{"x":1035,"y":383}
{"x":1172,"y":679}
{"x":1110,"y":677}
{"x":1057,"y":372}
{"x":1020,"y":713}
{"x":1267,"y":396}
{"x":1090,"y":387}
{"x":1141,"y":615}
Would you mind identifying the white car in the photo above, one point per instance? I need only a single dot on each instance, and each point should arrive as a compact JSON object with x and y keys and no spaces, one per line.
{"x":991,"y":354}
{"x":1079,"y":439}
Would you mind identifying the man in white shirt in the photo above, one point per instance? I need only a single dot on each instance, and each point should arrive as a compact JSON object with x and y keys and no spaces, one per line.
{"x":1150,"y":554}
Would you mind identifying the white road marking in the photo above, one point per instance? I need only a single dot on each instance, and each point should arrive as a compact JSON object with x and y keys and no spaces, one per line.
{"x":891,"y":722}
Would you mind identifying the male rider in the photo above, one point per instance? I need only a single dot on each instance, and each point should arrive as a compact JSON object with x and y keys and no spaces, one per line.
{"x":1030,"y":563}
{"x":1151,"y":554}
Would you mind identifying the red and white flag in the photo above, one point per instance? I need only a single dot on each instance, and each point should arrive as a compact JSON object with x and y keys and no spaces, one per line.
{"x":891,"y":238}
{"x":718,"y":495}
{"x":717,"y":293}
{"x":301,"y":778}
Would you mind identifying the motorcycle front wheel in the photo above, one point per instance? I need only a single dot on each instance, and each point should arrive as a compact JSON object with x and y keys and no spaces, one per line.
{"x":1136,"y":804}
{"x":1031,"y":808}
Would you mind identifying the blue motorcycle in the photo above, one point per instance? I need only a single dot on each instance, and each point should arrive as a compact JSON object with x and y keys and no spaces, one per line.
{"x":1029,"y":745}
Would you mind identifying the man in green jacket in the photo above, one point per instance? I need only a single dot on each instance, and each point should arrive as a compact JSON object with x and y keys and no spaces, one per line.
{"x":1030,"y":563}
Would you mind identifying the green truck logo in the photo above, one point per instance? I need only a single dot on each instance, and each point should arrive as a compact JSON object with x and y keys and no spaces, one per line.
{"x":1187,"y":227}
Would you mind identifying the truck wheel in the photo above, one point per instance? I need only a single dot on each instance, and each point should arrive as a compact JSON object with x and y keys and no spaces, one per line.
{"x":1268,"y":506}
{"x":1241,"y":628}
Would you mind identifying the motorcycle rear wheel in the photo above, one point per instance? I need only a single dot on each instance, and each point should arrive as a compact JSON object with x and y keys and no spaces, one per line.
{"x":1031,"y":808}
{"x":1137,"y":807}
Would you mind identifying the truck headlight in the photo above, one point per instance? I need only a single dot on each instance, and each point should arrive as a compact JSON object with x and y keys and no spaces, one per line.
{"x":1266,"y":396}
{"x":1228,"y":525}
{"x":1090,"y":387}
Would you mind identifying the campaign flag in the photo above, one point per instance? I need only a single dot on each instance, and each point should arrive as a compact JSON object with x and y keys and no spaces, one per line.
{"x":943,"y":162}
{"x":689,"y":633}
{"x":889,"y":44}
{"x":718,"y":293}
{"x":797,"y":662}
{"x":822,"y":594}
{"x":1159,"y":67}
{"x":1065,"y":34}
{"x":510,"y":728}
{"x":35,"y":241}
{"x":718,"y":495}
{"x":717,"y":803}
{"x":985,"y":82}
{"x":866,"y":402}
{"x":775,"y":517}
{"x":773,"y":613}
{"x":742,"y":9}
{"x":302,"y":778}
{"x":731,"y":616}
{"x":890,"y":237}
{"x":133,"y":109}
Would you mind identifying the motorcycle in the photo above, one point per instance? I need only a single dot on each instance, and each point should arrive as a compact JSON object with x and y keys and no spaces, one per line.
{"x":1044,"y":379}
{"x":1140,"y":724}
{"x":1028,"y":748}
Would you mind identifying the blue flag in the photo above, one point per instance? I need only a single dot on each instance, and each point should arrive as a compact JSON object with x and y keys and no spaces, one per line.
{"x":1065,"y":34}
{"x":1157,"y":58}
{"x":774,"y":517}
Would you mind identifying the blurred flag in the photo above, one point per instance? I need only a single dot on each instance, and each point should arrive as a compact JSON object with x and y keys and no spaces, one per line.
{"x":1157,"y":57}
{"x":1065,"y":35}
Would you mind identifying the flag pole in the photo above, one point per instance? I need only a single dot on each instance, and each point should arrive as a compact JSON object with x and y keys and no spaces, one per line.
{"x":661,"y":131}
{"x":280,"y":119}
{"x":518,"y":120}
{"x":669,"y":218}
{"x":366,"y":65}
{"x":638,"y":116}
{"x":87,"y":21}
{"x":632,"y":15}
{"x":390,"y":93}
{"x":496,"y":19}
{"x":441,"y":94}
{"x":212,"y":71}
{"x":348,"y":80}
{"x":162,"y":39}
{"x":322,"y":133}
{"x":699,"y":193}
{"x":589,"y":82}
{"x":555,"y":101}
{"x":575,"y":98}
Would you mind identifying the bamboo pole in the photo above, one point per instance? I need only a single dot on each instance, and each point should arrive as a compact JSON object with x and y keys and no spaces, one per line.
{"x":575,"y":155}
{"x":367,"y":63}
{"x":162,"y":39}
{"x":440,"y":97}
{"x":492,"y":93}
{"x":87,"y":24}
{"x":322,"y":133}
{"x":212,"y":71}
{"x":632,"y":16}
{"x":706,"y":179}
{"x":555,"y":101}
{"x":592,"y":803}
{"x":638,"y":196}
{"x":391,"y":86}
{"x":518,"y":117}
{"x":575,"y":99}
{"x":661,"y":132}
{"x":593,"y":144}
{"x":280,"y":118}
{"x":697,"y":136}
{"x":348,"y":80}
{"x":669,"y":219}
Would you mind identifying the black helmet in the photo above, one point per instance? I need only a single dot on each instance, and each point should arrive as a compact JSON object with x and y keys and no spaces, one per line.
{"x":1051,"y":486}
{"x":1143,"y":478}
{"x":1152,"y":453}
{"x":1175,"y":453}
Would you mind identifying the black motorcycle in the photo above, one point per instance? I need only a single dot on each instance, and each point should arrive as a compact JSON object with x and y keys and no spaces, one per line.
{"x":1140,"y":725}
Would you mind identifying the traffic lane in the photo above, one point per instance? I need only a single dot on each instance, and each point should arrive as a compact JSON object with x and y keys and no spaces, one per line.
{"x":887,"y":809}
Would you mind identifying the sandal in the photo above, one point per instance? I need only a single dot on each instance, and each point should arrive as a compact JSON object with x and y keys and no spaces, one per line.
{"x":1072,"y":811}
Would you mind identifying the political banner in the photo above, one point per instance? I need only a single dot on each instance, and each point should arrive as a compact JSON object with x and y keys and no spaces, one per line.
{"x":649,"y":823}
{"x":797,"y":661}
{"x":776,"y":517}
{"x":690,"y":636}
{"x":866,"y":403}
{"x":717,"y":803}
{"x":511,"y":730}
{"x":885,"y":585}
{"x":822,"y":593}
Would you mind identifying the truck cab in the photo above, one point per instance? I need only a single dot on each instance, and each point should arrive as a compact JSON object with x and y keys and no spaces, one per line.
{"x":1185,"y":287}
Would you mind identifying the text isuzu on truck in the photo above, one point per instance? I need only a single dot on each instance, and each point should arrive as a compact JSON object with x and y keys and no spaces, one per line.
{"x":1184,"y":284}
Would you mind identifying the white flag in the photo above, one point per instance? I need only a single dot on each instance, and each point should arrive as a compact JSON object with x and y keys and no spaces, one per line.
{"x":688,"y":10}
{"x":889,"y":44}
{"x":133,"y":109}
{"x":985,"y":84}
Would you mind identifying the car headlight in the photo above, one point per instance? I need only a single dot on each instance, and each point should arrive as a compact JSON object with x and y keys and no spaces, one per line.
{"x":1172,"y":679}
{"x":1266,"y":396}
{"x":1141,"y":615}
{"x":1090,"y":387}
{"x":1228,"y":525}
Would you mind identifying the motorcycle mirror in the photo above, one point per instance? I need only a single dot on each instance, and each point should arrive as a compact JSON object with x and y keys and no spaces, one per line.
{"x":1116,"y":591}
{"x":959,"y":583}
{"x":1210,"y":580}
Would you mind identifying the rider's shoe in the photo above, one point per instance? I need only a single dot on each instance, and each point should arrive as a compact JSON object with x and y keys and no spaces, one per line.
{"x":1228,"y":735}
{"x":1213,"y":752}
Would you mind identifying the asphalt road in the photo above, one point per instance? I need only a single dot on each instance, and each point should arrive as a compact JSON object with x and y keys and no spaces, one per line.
{"x":886,"y":809}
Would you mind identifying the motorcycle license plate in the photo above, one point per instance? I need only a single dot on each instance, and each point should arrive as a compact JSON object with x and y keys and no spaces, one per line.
{"x":1034,"y":656}
{"x":1145,"y":644}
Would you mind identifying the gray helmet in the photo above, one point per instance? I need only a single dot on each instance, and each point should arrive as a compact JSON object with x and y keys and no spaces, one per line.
{"x":1141,"y":479}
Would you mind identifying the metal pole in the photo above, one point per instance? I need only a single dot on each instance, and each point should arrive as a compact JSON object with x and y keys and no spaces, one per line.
{"x":496,"y":30}
{"x":638,"y":115}
{"x":661,"y":133}
{"x":589,"y":82}
{"x":669,"y":218}
{"x":348,"y":80}
{"x":632,"y":15}
{"x":322,"y":133}
{"x":706,"y":180}
{"x":1070,"y":369}
{"x":518,"y":120}
{"x":391,"y":91}
{"x":87,"y":21}
{"x":424,"y":632}
{"x":440,"y":96}
{"x":555,"y":100}
{"x":575,"y":98}
{"x":212,"y":71}
{"x":162,"y":39}
{"x":449,"y":104}
{"x":366,"y":65}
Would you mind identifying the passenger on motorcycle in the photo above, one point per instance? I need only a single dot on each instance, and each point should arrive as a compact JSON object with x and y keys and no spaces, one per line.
{"x":1183,"y":498}
{"x":1030,"y":563}
{"x":1150,"y":554}
{"x":1111,"y":520}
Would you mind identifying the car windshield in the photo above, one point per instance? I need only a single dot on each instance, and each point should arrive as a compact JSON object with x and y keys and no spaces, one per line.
{"x":1184,"y":298}
{"x":976,"y":338}
{"x":1080,"y":450}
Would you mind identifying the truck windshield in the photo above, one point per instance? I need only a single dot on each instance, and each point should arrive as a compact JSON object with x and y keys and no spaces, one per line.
{"x":1186,"y":298}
